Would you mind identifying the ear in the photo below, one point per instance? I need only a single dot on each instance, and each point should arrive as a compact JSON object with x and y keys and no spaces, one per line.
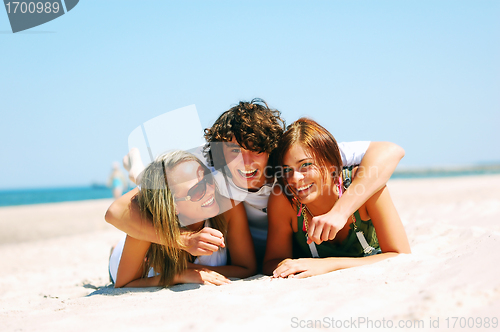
{"x":333,"y":171}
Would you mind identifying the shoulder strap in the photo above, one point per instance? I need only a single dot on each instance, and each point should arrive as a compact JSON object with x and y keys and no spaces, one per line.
{"x":301,"y":226}
{"x":347,"y":176}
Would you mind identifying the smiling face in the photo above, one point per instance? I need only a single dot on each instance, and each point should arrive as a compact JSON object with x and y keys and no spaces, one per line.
{"x":303,"y":143}
{"x":189,"y":179}
{"x":247,"y":167}
{"x":303,"y":175}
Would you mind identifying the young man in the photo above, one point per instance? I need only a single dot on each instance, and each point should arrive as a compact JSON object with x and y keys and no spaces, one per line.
{"x":239,"y":144}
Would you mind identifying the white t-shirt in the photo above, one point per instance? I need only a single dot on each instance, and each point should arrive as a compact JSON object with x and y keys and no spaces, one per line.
{"x":256,"y":202}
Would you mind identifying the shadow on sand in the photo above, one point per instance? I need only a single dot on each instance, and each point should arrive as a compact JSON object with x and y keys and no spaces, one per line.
{"x":109,"y":289}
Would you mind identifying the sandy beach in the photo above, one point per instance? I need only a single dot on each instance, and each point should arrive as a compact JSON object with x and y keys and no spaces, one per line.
{"x":54,"y":258}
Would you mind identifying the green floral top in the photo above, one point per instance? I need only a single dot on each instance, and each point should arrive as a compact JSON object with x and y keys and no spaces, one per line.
{"x":350,"y":247}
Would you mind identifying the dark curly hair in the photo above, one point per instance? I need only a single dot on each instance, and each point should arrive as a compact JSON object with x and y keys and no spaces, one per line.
{"x":255,"y":126}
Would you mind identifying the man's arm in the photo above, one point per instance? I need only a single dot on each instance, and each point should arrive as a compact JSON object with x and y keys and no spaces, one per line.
{"x":377,"y":166}
{"x":125,"y":215}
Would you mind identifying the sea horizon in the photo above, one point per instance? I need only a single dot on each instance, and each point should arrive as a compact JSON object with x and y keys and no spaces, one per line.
{"x":31,"y":196}
{"x":43,"y":195}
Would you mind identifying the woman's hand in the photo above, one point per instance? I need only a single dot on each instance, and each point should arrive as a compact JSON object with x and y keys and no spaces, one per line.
{"x":205,"y":242}
{"x":189,"y":276}
{"x":202,"y":276}
{"x":303,"y":267}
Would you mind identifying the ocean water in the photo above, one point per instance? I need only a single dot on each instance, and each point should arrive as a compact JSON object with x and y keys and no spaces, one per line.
{"x":445,"y":172}
{"x":54,"y":195}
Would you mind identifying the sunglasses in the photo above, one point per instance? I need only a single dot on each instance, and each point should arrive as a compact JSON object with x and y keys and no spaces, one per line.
{"x":198,"y":191}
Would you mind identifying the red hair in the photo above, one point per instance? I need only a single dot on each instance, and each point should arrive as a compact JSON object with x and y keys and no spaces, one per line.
{"x":316,"y":141}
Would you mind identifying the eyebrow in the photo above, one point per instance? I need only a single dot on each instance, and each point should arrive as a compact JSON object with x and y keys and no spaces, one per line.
{"x":233,"y":145}
{"x":299,"y":161}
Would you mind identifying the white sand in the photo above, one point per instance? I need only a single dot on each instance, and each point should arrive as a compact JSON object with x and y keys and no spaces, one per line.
{"x":53,"y":272}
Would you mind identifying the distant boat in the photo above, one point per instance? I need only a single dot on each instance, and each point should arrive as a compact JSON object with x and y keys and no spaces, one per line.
{"x":99,"y":186}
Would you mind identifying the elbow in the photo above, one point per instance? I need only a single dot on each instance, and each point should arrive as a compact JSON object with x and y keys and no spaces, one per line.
{"x":405,"y":251}
{"x":397,"y":151}
{"x":268,"y":268}
{"x":111,"y":215}
{"x":119,"y":284}
{"x":388,"y":152}
{"x":252,"y":270}
{"x":399,"y":251}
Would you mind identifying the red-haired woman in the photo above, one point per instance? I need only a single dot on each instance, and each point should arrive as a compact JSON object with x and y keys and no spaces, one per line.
{"x":310,"y":177}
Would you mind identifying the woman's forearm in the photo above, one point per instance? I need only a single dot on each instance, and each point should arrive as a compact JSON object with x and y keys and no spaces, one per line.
{"x":144,"y":282}
{"x":229,"y":271}
{"x":339,"y":263}
{"x":308,"y":267}
{"x":154,"y":281}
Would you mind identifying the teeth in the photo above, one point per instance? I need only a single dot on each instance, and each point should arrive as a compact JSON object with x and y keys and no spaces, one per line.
{"x":247,"y":172}
{"x":210,"y":201}
{"x":305,"y":187}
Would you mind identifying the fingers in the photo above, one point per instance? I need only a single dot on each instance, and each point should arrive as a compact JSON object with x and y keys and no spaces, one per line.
{"x":315,"y":231}
{"x":212,"y":236}
{"x":284,"y":261}
{"x":202,"y":276}
{"x":321,"y":229}
{"x":287,"y":268}
{"x":204,"y":252}
{"x":284,"y":273}
{"x":208,"y":243}
{"x":310,"y":232}
{"x":205,"y":242}
{"x":210,"y":277}
{"x":302,"y":275}
{"x":205,"y":248}
{"x":217,"y":282}
{"x":333,"y":233}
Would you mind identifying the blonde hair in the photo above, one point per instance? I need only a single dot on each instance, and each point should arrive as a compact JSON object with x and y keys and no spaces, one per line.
{"x":156,"y":201}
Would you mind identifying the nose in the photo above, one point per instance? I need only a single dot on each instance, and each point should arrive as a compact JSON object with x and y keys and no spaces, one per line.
{"x":247,"y":156}
{"x":210,"y":189}
{"x":297,"y":177}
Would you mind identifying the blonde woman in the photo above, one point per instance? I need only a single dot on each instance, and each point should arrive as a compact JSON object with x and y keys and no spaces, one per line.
{"x":178,"y":194}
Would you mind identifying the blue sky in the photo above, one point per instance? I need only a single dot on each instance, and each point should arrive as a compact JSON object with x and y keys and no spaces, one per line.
{"x":422,"y":74}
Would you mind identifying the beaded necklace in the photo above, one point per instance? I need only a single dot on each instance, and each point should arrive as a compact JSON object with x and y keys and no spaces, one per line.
{"x":367,"y":249}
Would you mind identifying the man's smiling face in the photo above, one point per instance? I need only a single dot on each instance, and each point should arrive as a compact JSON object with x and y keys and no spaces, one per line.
{"x":247,"y":167}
